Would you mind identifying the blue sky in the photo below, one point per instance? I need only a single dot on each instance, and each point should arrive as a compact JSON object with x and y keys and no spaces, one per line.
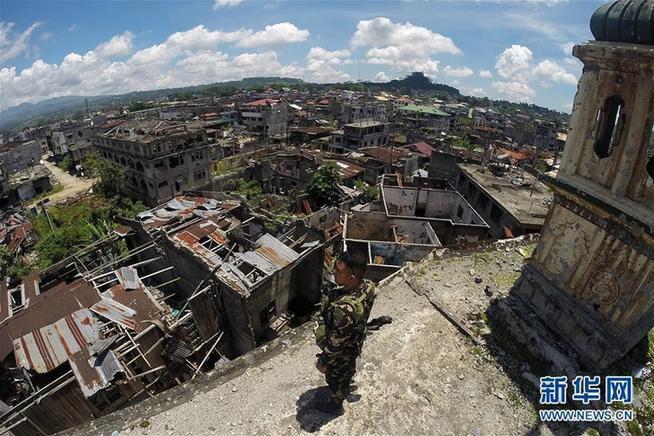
{"x":515,"y":50}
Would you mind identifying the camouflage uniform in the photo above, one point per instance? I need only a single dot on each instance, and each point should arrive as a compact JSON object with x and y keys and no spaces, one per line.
{"x":340,"y":334}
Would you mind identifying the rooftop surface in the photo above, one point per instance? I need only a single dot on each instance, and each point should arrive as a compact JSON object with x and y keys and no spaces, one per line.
{"x":423,"y":109}
{"x":365,"y":123}
{"x":150,"y":130}
{"x":520,"y":193}
{"x":418,"y":375}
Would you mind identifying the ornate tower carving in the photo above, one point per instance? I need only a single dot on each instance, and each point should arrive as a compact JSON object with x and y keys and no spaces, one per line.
{"x":591,"y":279}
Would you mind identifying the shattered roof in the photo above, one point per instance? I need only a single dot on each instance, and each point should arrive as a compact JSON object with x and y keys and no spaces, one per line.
{"x":44,"y":349}
{"x":182,"y":208}
{"x":149,"y":130}
{"x":271,"y":255}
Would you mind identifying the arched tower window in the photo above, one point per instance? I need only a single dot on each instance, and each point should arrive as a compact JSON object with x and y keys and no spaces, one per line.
{"x":609,"y":125}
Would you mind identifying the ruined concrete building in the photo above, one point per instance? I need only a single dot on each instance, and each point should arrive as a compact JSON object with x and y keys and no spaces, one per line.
{"x":256,"y":277}
{"x":512,"y":201}
{"x":591,"y":278}
{"x":161,"y":158}
{"x":190,"y":285}
{"x":407,"y":223}
{"x":266,"y":117}
{"x":88,"y":336}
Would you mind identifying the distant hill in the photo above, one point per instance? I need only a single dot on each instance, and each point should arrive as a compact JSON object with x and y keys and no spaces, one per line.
{"x":415,"y":81}
{"x":28,"y":113}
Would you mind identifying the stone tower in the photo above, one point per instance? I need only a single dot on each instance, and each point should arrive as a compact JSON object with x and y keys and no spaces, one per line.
{"x":591,"y":278}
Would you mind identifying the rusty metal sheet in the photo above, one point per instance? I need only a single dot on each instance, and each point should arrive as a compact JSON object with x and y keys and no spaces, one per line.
{"x":95,"y":373}
{"x":128,"y":277}
{"x":114,"y":311}
{"x":283,"y":255}
{"x":44,"y":349}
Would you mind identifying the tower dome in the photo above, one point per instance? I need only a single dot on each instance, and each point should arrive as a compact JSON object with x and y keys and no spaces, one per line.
{"x":630,"y":21}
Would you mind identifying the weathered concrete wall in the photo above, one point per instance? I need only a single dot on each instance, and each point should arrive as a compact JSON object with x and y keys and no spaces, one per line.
{"x":591,"y":278}
{"x":20,"y":157}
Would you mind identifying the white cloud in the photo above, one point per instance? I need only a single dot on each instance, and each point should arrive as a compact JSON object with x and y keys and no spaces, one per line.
{"x":72,"y":28}
{"x":183,"y":59}
{"x":475,"y":92}
{"x":381,"y":77}
{"x":485,"y":74}
{"x":567,"y":48}
{"x":217,"y":4}
{"x":10,"y":48}
{"x":514,"y":63}
{"x":514,"y":90}
{"x":457,"y":71}
{"x":276,"y":34}
{"x":405,"y":47}
{"x":517,"y":70}
{"x":322,"y":63}
{"x":551,"y":71}
{"x":119,"y":45}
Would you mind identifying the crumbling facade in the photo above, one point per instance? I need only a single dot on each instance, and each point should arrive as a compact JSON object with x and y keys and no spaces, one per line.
{"x":229,"y":264}
{"x":161,"y":159}
{"x":407,"y":223}
{"x":591,"y":278}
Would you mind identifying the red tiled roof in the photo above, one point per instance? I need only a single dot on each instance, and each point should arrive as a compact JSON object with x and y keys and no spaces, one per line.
{"x":420,"y":147}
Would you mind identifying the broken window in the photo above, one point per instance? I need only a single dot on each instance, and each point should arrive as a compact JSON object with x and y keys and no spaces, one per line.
{"x":173,"y":162}
{"x":609,"y":125}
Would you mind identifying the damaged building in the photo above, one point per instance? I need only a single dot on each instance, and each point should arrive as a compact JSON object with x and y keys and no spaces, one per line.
{"x":512,"y":201}
{"x":161,"y":159}
{"x":89,"y":335}
{"x":257,"y":278}
{"x":407,"y":223}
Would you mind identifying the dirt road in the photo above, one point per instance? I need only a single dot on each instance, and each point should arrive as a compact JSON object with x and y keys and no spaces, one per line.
{"x":72,"y":185}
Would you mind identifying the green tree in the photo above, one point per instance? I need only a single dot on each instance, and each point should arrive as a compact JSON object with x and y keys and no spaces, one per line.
{"x":111,"y":178}
{"x":368,"y":193}
{"x":324,"y":187}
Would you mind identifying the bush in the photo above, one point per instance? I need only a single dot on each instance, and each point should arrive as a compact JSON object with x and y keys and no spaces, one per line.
{"x":324,"y":185}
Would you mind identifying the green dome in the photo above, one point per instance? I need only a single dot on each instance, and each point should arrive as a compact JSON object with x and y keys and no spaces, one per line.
{"x":624,"y":21}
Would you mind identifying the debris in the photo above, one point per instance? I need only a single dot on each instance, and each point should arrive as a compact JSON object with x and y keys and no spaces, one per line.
{"x":478,"y":280}
{"x":446,"y":313}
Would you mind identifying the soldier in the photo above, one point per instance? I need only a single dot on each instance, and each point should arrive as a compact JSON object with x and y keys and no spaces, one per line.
{"x":342,"y":328}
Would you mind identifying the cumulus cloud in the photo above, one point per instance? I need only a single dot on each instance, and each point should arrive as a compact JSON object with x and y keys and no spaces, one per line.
{"x":514,"y":90}
{"x":119,"y":45}
{"x":276,"y":34}
{"x":486,"y":74}
{"x":475,"y":92}
{"x":516,"y":68}
{"x":183,"y":59}
{"x":548,"y":70}
{"x":457,"y":71}
{"x":514,"y":62}
{"x":381,"y":77}
{"x":405,"y":47}
{"x":322,"y":64}
{"x":217,"y":4}
{"x":12,"y":47}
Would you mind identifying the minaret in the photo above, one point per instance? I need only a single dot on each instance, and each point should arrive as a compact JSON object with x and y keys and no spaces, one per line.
{"x":591,"y":278}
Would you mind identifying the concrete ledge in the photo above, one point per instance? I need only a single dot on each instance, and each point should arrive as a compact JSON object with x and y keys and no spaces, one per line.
{"x":133,"y":414}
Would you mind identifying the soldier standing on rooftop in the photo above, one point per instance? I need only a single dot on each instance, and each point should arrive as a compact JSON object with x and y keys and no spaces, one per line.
{"x":341,"y":328}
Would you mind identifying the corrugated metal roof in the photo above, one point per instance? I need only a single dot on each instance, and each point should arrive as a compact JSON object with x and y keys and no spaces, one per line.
{"x":280,"y":250}
{"x":114,"y":311}
{"x":95,"y":373}
{"x":128,"y":277}
{"x":48,"y":347}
